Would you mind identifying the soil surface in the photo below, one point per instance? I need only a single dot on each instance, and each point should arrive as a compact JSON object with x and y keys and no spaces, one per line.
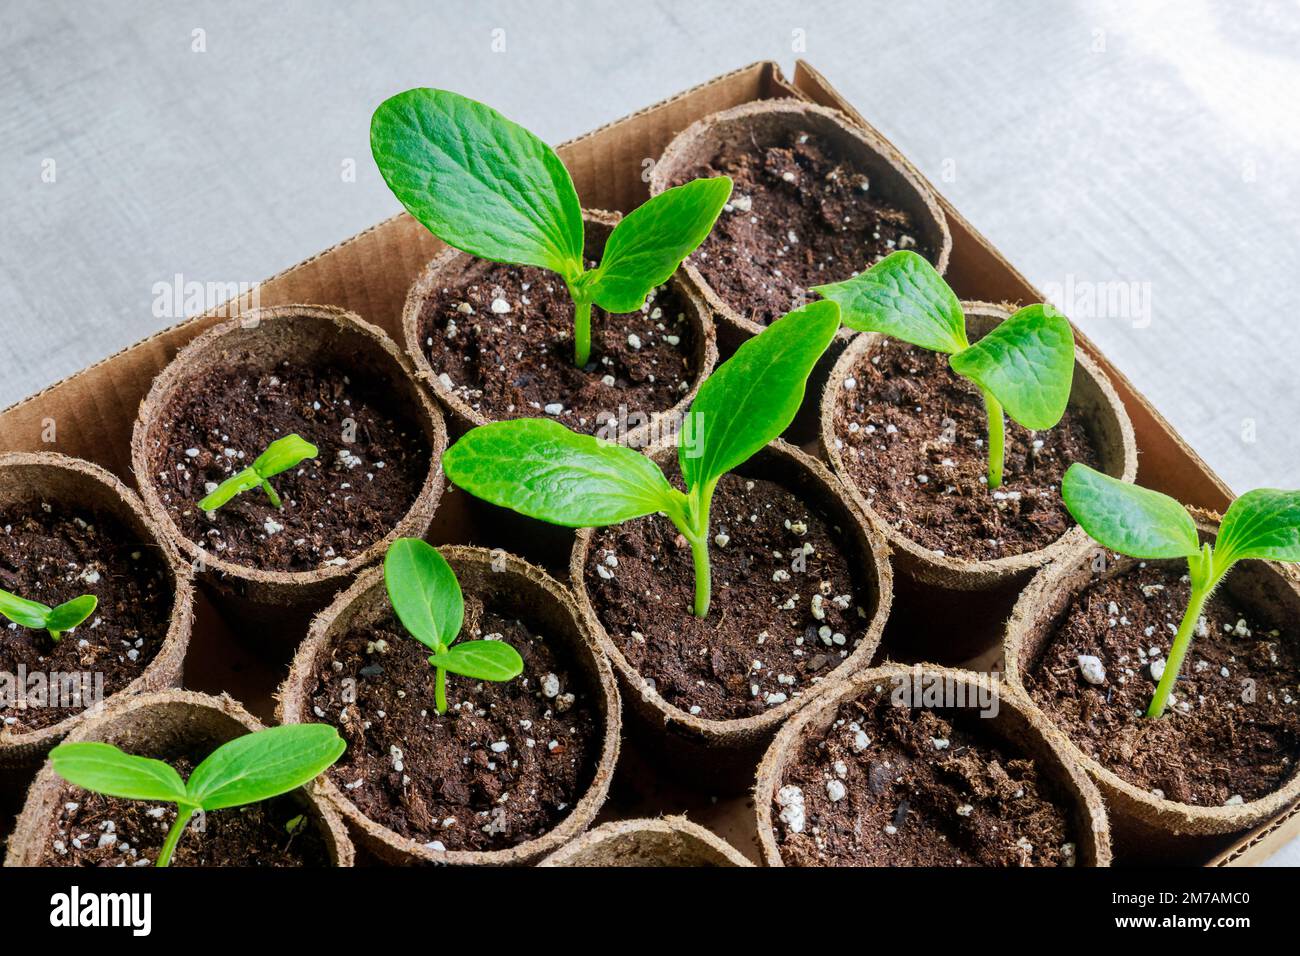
{"x":916,"y":788}
{"x":95,"y":830}
{"x":798,"y":217}
{"x":56,"y":555}
{"x":505,"y":764}
{"x":786,"y":606}
{"x":912,"y":435}
{"x":503,"y":337}
{"x":1215,"y":745}
{"x":335,"y":506}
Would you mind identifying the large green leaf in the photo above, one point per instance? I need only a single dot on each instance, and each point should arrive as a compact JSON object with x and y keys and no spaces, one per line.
{"x":283,"y":454}
{"x":424,"y":592}
{"x":1126,"y":518}
{"x":23,"y":612}
{"x":753,"y":396}
{"x":477,"y":181}
{"x":105,"y":769}
{"x":1027,"y":363}
{"x":1264,"y":523}
{"x":902,"y":296}
{"x":652,"y":240}
{"x":264,"y":764}
{"x":541,"y":469}
{"x":481,"y":660}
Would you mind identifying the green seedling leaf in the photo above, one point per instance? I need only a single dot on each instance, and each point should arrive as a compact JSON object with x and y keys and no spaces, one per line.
{"x":1262,"y":524}
{"x":105,"y":769}
{"x":424,"y":592}
{"x":1127,"y":518}
{"x":263,"y":765}
{"x":754,"y":395}
{"x":71,"y":613}
{"x":56,"y":620}
{"x":1027,"y":363}
{"x":281,"y":455}
{"x":539,"y":468}
{"x":481,"y":660}
{"x":477,"y":181}
{"x":648,"y":245}
{"x":902,"y":296}
{"x":23,"y":612}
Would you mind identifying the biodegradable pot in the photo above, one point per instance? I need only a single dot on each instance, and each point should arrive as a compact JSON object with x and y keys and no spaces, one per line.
{"x":48,"y":477}
{"x":1156,"y":828}
{"x":264,"y":337}
{"x":1092,"y":397}
{"x":753,"y":126}
{"x":154,"y":723}
{"x":721,"y":754}
{"x":669,"y":841}
{"x":1018,"y":725}
{"x":496,"y":577}
{"x":446,"y":270}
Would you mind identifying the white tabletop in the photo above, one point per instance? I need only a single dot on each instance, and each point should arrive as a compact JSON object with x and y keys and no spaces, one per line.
{"x":1102,"y":147}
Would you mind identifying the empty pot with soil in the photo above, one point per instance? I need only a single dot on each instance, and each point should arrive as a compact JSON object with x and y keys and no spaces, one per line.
{"x":925,"y":766}
{"x":816,"y":199}
{"x":69,"y":529}
{"x":512,"y":770}
{"x":64,"y":825}
{"x":313,"y":371}
{"x":1088,"y":642}
{"x":669,"y":841}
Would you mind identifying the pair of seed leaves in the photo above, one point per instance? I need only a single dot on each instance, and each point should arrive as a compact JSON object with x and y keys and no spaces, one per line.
{"x":281,"y":455}
{"x":56,"y":620}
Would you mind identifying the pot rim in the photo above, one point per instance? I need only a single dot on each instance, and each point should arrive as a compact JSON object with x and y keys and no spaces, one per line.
{"x":676,"y":825}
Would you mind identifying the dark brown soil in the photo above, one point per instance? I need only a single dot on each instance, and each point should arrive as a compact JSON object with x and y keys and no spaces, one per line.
{"x":519,"y":364}
{"x":912,"y":435}
{"x":53,"y":556}
{"x":335,"y":506}
{"x":798,"y":217}
{"x":923,"y":788}
{"x":1214,"y":744}
{"x":437,"y":779}
{"x":762,"y":641}
{"x":94,"y":830}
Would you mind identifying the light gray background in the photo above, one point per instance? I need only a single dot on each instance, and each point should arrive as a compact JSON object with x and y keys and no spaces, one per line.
{"x":1093,"y":143}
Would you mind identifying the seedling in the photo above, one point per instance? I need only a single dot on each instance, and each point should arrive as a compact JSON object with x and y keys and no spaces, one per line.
{"x":56,"y":620}
{"x":1144,"y":524}
{"x":541,"y":469}
{"x":491,"y":188}
{"x":281,"y":455}
{"x":248,"y":769}
{"x":1024,"y":366}
{"x":426,"y":597}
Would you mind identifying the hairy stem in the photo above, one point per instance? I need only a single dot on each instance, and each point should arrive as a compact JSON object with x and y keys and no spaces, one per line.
{"x":183,"y":815}
{"x":581,"y":332}
{"x":1177,"y":652}
{"x":996,"y":438}
{"x":440,"y":690}
{"x":697,"y":535}
{"x":270,"y":493}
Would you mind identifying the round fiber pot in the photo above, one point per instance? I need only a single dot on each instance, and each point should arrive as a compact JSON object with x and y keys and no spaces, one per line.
{"x":830,"y":791}
{"x":640,"y":608}
{"x":58,"y":510}
{"x":1222,"y":758}
{"x":669,"y":841}
{"x":442,"y":807}
{"x":346,"y":388}
{"x":655,"y":380}
{"x":1093,"y":404}
{"x":794,"y":164}
{"x":163,"y":726}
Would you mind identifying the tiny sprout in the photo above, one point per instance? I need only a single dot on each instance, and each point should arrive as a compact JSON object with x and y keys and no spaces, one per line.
{"x":1024,"y":366}
{"x":248,"y":769}
{"x":491,"y":188}
{"x":56,"y":620}
{"x":1262,"y":524}
{"x":281,"y":455}
{"x":543,"y":470}
{"x":426,"y":598}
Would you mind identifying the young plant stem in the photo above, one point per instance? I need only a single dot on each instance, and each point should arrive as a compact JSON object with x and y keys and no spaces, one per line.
{"x":183,"y":815}
{"x":270,"y":493}
{"x":696,"y":533}
{"x":996,"y":438}
{"x":581,"y":332}
{"x":440,"y":690}
{"x":1205,"y":577}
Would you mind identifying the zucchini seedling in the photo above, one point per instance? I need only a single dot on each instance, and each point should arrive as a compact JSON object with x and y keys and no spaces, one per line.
{"x":281,"y":455}
{"x":426,"y":598}
{"x":543,"y":470}
{"x":248,"y":769}
{"x":491,"y":188}
{"x":1263,"y":524}
{"x":36,"y":615}
{"x":1024,"y":366}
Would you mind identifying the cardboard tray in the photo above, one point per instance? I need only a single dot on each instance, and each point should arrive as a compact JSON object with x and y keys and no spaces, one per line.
{"x":90,"y":414}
